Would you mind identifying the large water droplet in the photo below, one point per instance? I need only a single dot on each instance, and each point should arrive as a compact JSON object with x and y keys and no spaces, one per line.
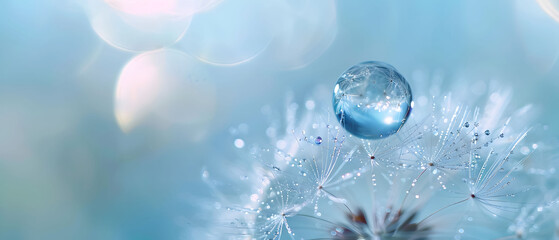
{"x":372,"y":100}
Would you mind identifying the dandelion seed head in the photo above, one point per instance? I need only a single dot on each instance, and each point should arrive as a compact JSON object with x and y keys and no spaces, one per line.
{"x":314,"y":180}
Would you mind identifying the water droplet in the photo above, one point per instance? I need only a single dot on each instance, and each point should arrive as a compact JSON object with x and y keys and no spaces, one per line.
{"x":384,"y":97}
{"x":467,"y":124}
{"x":239,"y":143}
{"x":318,"y":140}
{"x":487,"y":132}
{"x":205,"y":174}
{"x":502,"y":135}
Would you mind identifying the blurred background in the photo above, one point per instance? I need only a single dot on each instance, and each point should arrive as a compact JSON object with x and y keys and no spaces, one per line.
{"x":110,"y":110}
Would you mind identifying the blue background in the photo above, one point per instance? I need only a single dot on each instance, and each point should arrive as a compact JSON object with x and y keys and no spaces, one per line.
{"x":67,"y":171}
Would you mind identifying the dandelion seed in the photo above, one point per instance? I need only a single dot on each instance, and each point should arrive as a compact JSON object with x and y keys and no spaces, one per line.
{"x":310,"y":185}
{"x":490,"y":185}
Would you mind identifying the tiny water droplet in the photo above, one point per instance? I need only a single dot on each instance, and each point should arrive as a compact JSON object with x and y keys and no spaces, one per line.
{"x":239,"y":143}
